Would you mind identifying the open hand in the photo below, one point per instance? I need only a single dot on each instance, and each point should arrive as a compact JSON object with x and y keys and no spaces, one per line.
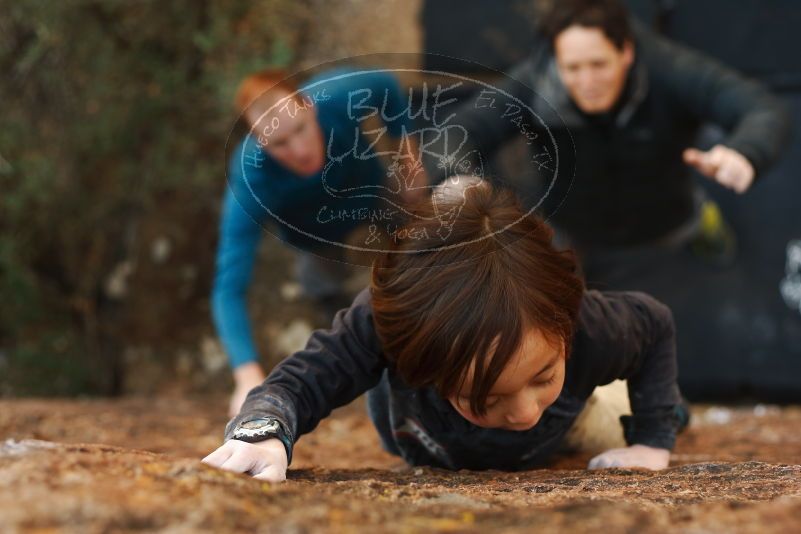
{"x":632,"y":456}
{"x":725,"y":165}
{"x":265,"y":460}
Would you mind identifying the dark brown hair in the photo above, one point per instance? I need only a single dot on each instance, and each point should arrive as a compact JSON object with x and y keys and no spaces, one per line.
{"x":440,"y":301}
{"x":610,"y":16}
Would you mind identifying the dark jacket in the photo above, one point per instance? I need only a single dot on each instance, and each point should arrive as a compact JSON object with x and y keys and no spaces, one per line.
{"x":622,"y":179}
{"x":619,"y":336}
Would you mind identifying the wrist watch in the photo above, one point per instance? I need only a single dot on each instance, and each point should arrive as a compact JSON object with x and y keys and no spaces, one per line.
{"x":262,"y":429}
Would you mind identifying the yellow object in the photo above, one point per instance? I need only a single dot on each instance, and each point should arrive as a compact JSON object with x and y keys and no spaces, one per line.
{"x":711,"y":218}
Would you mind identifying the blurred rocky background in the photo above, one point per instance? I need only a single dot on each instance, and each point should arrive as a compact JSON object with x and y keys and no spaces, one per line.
{"x":115,"y":118}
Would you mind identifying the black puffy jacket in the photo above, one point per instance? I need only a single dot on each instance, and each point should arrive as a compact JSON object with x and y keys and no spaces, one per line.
{"x":621,"y":177}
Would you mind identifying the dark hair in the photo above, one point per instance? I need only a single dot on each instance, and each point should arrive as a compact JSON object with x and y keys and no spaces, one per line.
{"x":610,"y":16}
{"x":441,"y":303}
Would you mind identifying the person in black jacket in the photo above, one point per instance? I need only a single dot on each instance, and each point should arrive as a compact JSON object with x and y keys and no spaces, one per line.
{"x":480,"y":349}
{"x":630,"y":103}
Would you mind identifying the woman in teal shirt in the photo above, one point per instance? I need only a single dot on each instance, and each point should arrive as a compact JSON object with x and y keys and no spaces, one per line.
{"x":306,"y":166}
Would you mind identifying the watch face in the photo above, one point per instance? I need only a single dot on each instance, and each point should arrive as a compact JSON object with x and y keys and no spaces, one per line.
{"x":267,"y":425}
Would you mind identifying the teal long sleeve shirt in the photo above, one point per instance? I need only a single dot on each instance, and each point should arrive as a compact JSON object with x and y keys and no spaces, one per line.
{"x":261,"y":192}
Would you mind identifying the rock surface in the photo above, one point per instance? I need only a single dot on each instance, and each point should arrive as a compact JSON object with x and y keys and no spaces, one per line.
{"x":734,"y":473}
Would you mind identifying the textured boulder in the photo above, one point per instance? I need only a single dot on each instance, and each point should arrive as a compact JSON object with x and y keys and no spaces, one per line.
{"x":79,"y":487}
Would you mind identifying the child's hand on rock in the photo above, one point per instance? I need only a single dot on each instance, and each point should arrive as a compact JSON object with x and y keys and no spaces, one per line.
{"x":265,"y":460}
{"x":633,"y":456}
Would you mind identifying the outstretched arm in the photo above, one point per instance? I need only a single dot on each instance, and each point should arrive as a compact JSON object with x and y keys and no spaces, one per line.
{"x":336,"y":366}
{"x":240,"y":234}
{"x":236,"y":253}
{"x":757,"y":122}
{"x":641,"y":350}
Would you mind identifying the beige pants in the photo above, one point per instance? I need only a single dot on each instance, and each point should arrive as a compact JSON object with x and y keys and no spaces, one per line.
{"x":598,"y":427}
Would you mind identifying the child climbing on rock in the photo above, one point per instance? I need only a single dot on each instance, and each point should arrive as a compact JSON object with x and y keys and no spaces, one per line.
{"x":479,"y":348}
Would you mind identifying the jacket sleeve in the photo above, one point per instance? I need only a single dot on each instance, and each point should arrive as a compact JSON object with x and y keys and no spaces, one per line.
{"x":240,"y":233}
{"x":631,"y":336}
{"x":336,"y":366}
{"x":758,"y":122}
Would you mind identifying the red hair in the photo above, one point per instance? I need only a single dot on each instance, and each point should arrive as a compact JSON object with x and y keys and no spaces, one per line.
{"x":259,"y":83}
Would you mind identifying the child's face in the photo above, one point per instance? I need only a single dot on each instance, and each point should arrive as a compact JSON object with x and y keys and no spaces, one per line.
{"x":529,"y":384}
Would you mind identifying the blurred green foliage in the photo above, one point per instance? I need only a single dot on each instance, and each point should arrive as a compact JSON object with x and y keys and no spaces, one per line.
{"x":115,"y":117}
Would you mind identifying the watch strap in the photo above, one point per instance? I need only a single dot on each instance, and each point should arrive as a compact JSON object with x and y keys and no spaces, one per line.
{"x":254,"y":436}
